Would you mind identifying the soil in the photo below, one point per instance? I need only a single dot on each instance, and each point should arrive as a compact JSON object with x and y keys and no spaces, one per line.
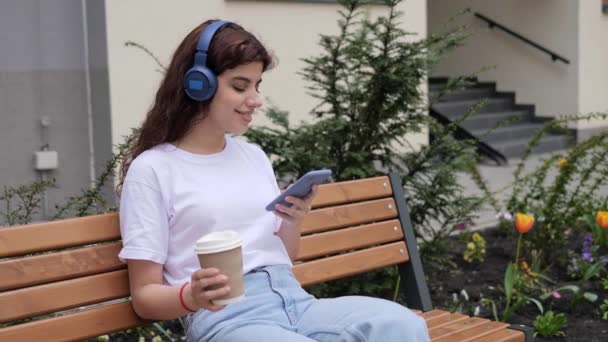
{"x":482,"y":279}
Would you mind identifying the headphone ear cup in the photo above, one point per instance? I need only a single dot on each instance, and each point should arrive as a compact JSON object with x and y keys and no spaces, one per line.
{"x":200,"y":83}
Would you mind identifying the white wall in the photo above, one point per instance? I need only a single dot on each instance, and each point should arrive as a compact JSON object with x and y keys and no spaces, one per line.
{"x":552,"y":87}
{"x":593,"y":70}
{"x":291,"y":30}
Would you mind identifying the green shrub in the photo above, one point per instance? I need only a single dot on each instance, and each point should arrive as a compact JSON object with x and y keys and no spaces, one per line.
{"x":367,"y":81}
{"x":550,"y":324}
{"x":561,"y":204}
{"x":21,"y":203}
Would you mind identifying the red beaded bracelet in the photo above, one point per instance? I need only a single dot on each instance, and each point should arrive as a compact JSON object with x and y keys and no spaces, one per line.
{"x":181,"y":297}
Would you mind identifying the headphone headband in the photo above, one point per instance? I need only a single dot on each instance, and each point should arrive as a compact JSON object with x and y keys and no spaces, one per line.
{"x":207,"y":35}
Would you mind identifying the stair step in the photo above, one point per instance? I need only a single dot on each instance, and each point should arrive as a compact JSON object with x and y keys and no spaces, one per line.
{"x":486,"y":121}
{"x":458,"y":108}
{"x":548,"y":143}
{"x":437,"y":87}
{"x":512,"y":131}
{"x":463,"y":94}
{"x":521,"y":123}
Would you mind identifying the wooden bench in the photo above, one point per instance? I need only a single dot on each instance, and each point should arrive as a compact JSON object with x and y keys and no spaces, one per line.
{"x":62,"y":280}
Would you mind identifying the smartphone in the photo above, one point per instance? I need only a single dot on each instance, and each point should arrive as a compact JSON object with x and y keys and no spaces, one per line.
{"x":301,"y":187}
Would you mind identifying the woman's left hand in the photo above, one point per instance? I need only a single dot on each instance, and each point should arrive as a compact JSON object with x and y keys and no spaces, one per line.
{"x":294,"y":215}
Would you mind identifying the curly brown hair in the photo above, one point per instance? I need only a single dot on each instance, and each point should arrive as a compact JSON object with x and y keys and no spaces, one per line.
{"x":173,"y":112}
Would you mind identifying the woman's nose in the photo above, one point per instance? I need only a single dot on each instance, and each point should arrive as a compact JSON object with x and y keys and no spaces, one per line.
{"x":254,"y":100}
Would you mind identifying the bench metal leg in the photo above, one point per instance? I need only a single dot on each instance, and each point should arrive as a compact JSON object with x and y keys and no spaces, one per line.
{"x":528,"y":331}
{"x":413,"y":282}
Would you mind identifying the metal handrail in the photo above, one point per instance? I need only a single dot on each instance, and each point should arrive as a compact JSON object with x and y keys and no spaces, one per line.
{"x":461,"y":133}
{"x":492,"y":24}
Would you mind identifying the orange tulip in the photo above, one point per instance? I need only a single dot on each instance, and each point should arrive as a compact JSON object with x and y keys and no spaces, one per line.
{"x":523,"y":222}
{"x":562,"y":162}
{"x":602,"y":219}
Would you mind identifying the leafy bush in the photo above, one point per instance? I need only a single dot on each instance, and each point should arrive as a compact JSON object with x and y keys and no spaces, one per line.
{"x":367,"y":80}
{"x":559,"y":205}
{"x":21,"y":203}
{"x":550,"y":324}
{"x":604,"y":310}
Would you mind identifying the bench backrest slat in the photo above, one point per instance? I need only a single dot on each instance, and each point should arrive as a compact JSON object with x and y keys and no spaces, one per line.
{"x":352,"y":191}
{"x":317,"y":245}
{"x":76,"y":326}
{"x":38,"y":237}
{"x":320,"y":220}
{"x":345,"y":265}
{"x":63,"y":295}
{"x":46,"y":268}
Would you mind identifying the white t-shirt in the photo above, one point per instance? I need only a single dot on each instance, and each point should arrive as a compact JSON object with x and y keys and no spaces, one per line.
{"x":171,"y":197}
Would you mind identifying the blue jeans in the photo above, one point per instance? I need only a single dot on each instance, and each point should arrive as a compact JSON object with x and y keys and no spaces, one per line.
{"x":276,"y":308}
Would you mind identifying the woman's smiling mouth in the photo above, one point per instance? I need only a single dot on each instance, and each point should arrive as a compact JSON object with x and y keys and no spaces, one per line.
{"x":246,"y":116}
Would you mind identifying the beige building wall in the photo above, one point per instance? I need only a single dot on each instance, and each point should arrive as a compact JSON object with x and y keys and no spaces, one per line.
{"x":516,"y":66}
{"x":593,"y":70}
{"x":290,"y":29}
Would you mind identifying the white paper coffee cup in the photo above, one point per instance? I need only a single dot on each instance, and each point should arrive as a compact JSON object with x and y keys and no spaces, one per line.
{"x":222,"y":250}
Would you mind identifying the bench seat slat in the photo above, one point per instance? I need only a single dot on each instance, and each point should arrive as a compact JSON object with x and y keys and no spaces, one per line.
{"x":444,"y":320}
{"x":434,"y":314}
{"x":312,"y":246}
{"x":349,"y":215}
{"x":40,"y":300}
{"x":456,"y":327}
{"x":352,"y":191}
{"x":44,"y":268}
{"x":467,"y":329}
{"x":52,"y":235}
{"x":504,"y":335}
{"x":76,"y":326}
{"x":344,"y":265}
{"x":477,"y":332}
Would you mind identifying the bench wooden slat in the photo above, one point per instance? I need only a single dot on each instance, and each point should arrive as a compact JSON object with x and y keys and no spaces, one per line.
{"x":44,"y":268}
{"x":332,"y":242}
{"x":76,"y":326}
{"x":40,"y":300}
{"x":349,"y":215}
{"x":504,"y":335}
{"x":352,"y":191}
{"x":433,"y":314}
{"x":474,"y":333}
{"x":348,"y":264}
{"x":58,"y":234}
{"x":456,"y":327}
{"x":443,"y":320}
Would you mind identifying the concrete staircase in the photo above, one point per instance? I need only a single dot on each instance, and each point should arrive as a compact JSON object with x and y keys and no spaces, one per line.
{"x":510,"y":139}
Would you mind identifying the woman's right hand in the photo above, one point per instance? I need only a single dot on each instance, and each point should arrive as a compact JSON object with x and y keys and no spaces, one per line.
{"x":206,"y":285}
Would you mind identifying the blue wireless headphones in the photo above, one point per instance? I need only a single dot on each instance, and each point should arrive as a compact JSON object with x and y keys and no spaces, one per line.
{"x":200,"y":83}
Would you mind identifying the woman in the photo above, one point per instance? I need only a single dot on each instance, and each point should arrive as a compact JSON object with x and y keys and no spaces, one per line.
{"x":187,"y":176}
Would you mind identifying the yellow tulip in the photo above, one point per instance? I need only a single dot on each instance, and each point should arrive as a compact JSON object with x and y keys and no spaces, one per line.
{"x":562,"y":162}
{"x":476,"y":237}
{"x":602,"y":219}
{"x":523,"y":222}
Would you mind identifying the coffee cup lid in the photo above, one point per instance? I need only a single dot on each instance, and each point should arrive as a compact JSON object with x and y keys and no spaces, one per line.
{"x":218,"y":241}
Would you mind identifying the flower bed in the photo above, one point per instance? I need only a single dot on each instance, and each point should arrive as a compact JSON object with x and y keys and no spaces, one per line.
{"x":469,"y":287}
